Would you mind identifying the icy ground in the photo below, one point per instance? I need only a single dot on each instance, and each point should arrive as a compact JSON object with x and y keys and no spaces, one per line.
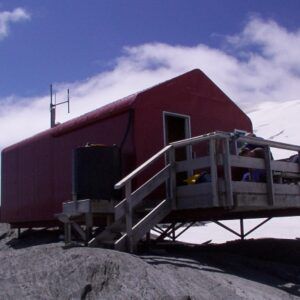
{"x":37,"y":266}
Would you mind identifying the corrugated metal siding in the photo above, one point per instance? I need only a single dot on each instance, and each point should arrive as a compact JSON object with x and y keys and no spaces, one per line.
{"x":194,"y":95}
{"x":37,"y":172}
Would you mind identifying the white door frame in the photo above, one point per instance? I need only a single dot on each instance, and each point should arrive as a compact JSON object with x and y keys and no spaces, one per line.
{"x":187,"y":124}
{"x":188,"y":132}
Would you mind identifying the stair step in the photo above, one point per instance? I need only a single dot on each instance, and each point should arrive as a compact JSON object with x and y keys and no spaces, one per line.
{"x":153,"y":217}
{"x":109,"y":233}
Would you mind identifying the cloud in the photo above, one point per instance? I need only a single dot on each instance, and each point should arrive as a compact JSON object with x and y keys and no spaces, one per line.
{"x":256,"y":65}
{"x":8,"y":17}
{"x":275,"y":43}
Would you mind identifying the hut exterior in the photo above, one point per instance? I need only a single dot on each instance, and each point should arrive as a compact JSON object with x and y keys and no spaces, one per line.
{"x":37,"y":172}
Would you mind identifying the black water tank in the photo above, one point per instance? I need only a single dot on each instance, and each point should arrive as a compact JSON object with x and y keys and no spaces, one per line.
{"x":96,"y":169}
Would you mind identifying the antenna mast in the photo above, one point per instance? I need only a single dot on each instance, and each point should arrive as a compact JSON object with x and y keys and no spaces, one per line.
{"x":53,"y":106}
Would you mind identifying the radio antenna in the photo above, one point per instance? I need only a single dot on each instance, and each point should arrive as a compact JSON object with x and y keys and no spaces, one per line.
{"x":54,"y":104}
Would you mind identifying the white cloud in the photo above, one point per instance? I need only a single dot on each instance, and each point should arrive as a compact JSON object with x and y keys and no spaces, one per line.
{"x":258,"y":65}
{"x":8,"y":17}
{"x":276,"y":43}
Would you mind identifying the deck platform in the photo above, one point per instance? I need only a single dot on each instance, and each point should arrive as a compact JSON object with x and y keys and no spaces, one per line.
{"x":223,"y":197}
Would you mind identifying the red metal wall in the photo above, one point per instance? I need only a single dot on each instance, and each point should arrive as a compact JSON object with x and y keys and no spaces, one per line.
{"x":194,"y":95}
{"x":37,"y":173}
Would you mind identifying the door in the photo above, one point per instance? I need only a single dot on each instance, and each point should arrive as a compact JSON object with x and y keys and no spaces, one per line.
{"x":177,"y":127}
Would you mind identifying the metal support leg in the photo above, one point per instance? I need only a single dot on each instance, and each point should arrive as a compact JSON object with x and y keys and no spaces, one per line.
{"x":67,"y":232}
{"x":158,"y":229}
{"x":89,"y":227}
{"x":148,"y":239}
{"x":257,"y":226}
{"x":227,"y":228}
{"x":185,"y":229}
{"x":242,"y":233}
{"x":170,"y":232}
{"x":164,"y":233}
{"x":242,"y":229}
{"x":173,"y":233}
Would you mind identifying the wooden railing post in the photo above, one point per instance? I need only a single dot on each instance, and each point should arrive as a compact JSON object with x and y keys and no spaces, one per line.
{"x":89,"y":226}
{"x":171,"y":186}
{"x":213,"y":171}
{"x":269,"y":175}
{"x":189,"y":149}
{"x":227,"y":172}
{"x":129,"y":221}
{"x":68,"y":232}
{"x":234,"y":146}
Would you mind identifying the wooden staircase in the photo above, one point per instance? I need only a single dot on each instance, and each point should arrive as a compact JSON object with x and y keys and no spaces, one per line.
{"x":133,"y":218}
{"x":116,"y":235}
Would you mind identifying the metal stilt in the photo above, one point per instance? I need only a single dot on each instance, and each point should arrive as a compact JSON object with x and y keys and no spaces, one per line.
{"x":242,"y":233}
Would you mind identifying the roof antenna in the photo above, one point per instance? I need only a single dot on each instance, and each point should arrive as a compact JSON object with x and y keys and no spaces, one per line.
{"x":53,"y":106}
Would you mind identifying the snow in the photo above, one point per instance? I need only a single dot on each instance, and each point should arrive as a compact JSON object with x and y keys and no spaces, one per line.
{"x":278,"y":122}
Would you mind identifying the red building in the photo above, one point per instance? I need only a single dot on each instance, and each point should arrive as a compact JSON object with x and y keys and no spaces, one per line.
{"x":37,"y":172}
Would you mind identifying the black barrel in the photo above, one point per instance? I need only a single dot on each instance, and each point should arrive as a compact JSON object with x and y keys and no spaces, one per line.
{"x":96,"y":169}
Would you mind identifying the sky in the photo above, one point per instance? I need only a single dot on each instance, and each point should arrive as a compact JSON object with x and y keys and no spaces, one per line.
{"x":66,"y":41}
{"x":106,"y":50}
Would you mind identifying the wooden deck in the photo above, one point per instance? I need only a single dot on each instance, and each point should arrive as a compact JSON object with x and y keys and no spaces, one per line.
{"x":130,"y":220}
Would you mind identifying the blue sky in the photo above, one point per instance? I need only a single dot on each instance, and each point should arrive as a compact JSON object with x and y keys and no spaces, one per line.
{"x":105,"y":50}
{"x":66,"y":41}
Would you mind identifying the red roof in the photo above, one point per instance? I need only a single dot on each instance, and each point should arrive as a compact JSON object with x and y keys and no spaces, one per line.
{"x":106,"y":111}
{"x":109,"y":110}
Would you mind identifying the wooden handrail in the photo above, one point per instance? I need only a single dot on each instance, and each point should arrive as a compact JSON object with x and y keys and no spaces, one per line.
{"x":262,"y":142}
{"x":143,"y":191}
{"x":213,"y":160}
{"x":246,"y":139}
{"x":138,"y":170}
{"x":200,"y":138}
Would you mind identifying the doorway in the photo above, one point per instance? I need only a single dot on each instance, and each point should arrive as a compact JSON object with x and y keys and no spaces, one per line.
{"x":177,"y":127}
